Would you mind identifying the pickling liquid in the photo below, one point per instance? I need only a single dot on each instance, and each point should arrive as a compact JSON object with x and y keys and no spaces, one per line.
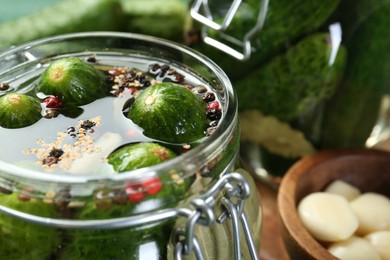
{"x":115,"y":130}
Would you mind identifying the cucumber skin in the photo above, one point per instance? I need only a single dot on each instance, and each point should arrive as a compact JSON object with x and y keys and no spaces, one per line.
{"x":352,"y":13}
{"x":81,"y":84}
{"x":292,"y":83}
{"x":39,"y":242}
{"x":287,"y":21}
{"x":139,"y":155}
{"x":176,"y":115}
{"x":125,"y":242}
{"x":66,"y":16}
{"x":20,"y":115}
{"x":164,"y":19}
{"x":353,"y":111}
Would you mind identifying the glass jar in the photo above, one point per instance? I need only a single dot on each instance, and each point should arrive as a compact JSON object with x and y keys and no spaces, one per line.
{"x":207,"y":205}
{"x":308,"y":76}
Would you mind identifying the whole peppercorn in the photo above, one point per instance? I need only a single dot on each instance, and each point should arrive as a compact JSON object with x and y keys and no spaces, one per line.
{"x":213,"y":105}
{"x":53,"y":103}
{"x":56,"y":152}
{"x":214,"y":114}
{"x":209,"y":97}
{"x":4,"y":86}
{"x":91,"y":59}
{"x":50,"y":160}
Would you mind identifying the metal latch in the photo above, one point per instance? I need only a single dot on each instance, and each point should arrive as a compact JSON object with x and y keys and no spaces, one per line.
{"x":240,"y":49}
{"x":236,"y":188}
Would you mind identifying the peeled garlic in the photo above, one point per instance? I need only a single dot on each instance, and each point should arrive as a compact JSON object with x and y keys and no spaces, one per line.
{"x":372,"y":211}
{"x":354,"y":248}
{"x":381,"y":242}
{"x":344,"y":189}
{"x":328,"y":217}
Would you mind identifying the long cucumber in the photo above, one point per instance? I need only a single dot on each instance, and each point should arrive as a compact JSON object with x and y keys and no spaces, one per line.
{"x":286,"y":23}
{"x":353,"y":111}
{"x":292,"y":83}
{"x":65,"y":16}
{"x":165,"y":19}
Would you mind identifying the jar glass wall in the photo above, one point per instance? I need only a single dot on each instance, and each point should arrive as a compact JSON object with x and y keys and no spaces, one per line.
{"x":92,"y":215}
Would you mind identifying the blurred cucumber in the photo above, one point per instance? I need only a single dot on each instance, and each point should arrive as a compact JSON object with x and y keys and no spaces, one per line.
{"x":165,"y":19}
{"x":287,"y":21}
{"x":353,"y":111}
{"x":352,"y":13}
{"x":65,"y":16}
{"x":294,"y":82}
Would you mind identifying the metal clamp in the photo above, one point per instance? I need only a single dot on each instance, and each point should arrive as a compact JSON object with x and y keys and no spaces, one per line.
{"x":234,"y":187}
{"x":200,"y":11}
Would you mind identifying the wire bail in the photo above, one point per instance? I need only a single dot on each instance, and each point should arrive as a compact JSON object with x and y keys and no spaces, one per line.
{"x":235,"y":188}
{"x":201,"y":12}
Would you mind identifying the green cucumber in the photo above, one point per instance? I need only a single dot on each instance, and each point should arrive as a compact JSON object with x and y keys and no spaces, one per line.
{"x":170,"y":112}
{"x":125,"y":242}
{"x":19,"y":110}
{"x":66,"y":16}
{"x":39,"y":242}
{"x":74,"y":81}
{"x":353,"y":111}
{"x":287,"y":21}
{"x":292,"y":83}
{"x":158,"y":18}
{"x":135,"y":156}
{"x":122,"y":243}
{"x":352,"y":13}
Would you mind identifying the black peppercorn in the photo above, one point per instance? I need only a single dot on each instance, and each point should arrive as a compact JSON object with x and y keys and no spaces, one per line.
{"x":214,"y":114}
{"x":209,"y":97}
{"x":4,"y":86}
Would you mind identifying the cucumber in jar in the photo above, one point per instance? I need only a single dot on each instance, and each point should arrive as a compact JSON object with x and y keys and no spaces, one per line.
{"x":135,"y":156}
{"x":18,"y":110}
{"x":170,"y":112}
{"x":23,"y":240}
{"x":74,"y":81}
{"x":125,"y":242}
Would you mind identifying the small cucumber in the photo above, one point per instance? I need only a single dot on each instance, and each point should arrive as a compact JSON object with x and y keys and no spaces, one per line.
{"x":73,"y":81}
{"x":19,"y":110}
{"x":120,"y":243}
{"x":170,"y":112}
{"x":164,"y":190}
{"x":123,"y":243}
{"x":66,"y":16}
{"x":292,"y":83}
{"x":135,"y":156}
{"x":39,"y":242}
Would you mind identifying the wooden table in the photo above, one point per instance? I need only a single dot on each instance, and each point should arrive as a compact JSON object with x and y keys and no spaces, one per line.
{"x":272,"y":246}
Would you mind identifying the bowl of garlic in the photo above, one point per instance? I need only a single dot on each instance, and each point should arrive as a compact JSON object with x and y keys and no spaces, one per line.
{"x":336,"y":205}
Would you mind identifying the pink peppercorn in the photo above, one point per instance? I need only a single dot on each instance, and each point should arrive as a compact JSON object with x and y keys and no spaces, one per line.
{"x":53,"y":102}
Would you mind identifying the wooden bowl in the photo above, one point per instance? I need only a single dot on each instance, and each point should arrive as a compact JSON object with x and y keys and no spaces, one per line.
{"x":367,"y":169}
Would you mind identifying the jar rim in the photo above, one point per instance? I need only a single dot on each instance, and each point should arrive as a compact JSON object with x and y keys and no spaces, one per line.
{"x":186,"y":161}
